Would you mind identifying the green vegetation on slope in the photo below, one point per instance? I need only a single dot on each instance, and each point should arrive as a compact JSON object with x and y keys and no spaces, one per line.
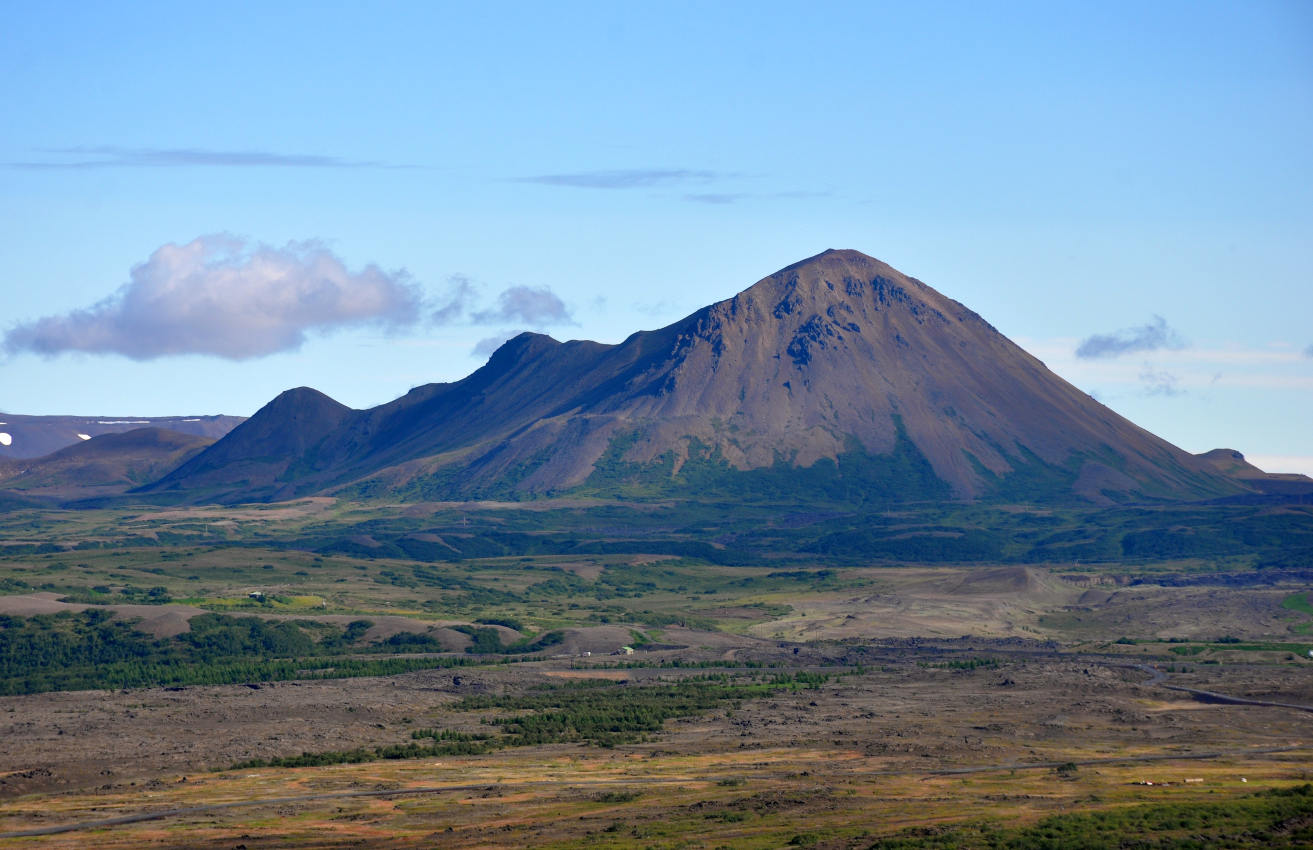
{"x":1302,"y":602}
{"x":86,"y":650}
{"x":594,"y":712}
{"x":1277,"y":818}
{"x":855,"y":477}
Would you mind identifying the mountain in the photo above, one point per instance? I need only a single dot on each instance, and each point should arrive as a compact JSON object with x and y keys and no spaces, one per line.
{"x":837,"y":377}
{"x":273,"y":446}
{"x":37,"y":436}
{"x":110,"y":463}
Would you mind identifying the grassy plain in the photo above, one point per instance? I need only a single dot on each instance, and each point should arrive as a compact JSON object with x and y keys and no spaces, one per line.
{"x":943,"y":676}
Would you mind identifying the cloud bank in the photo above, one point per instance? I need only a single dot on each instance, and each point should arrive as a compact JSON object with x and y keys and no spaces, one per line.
{"x":714,"y":197}
{"x":222,"y":296}
{"x":107,"y":156}
{"x":525,"y":305}
{"x":635,"y":178}
{"x":1150,"y":337}
{"x":735,"y":197}
{"x":458,"y":301}
{"x":1160,"y":383}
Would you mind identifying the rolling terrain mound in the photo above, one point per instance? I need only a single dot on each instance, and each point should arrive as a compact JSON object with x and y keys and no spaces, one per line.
{"x":996,"y":601}
{"x":167,"y":620}
{"x":110,"y":463}
{"x":871,"y":381}
{"x":1025,"y":583}
{"x":159,"y":621}
{"x":1231,"y":462}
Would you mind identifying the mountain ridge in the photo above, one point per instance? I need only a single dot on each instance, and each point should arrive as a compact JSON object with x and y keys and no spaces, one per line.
{"x":33,"y":436}
{"x":828,"y":363}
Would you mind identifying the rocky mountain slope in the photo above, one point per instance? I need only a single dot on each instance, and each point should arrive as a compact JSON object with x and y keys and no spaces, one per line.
{"x":837,"y":375}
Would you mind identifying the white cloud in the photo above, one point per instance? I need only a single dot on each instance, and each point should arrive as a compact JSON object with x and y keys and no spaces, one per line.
{"x":1148,"y":337}
{"x":458,"y":300}
{"x":1233,"y":367}
{"x":221,"y":296}
{"x":112,"y":156}
{"x":1159,"y":382}
{"x":516,"y":305}
{"x":627,"y":178}
{"x":525,"y":305}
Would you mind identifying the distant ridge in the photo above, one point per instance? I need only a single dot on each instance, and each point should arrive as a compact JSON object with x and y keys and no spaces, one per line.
{"x":110,"y":463}
{"x":1232,"y":463}
{"x":837,"y":377}
{"x":37,"y":436}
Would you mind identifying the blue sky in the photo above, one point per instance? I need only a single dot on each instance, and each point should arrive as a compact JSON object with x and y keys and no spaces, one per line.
{"x":203,"y":205}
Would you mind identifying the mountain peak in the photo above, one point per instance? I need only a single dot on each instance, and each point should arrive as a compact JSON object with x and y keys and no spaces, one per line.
{"x":258,"y":451}
{"x":845,"y":259}
{"x":303,"y":398}
{"x":523,"y":346}
{"x":843,"y":282}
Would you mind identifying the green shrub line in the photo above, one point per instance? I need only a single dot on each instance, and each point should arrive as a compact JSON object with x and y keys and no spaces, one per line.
{"x":604,"y":714}
{"x":959,"y":664}
{"x":1276,"y":818}
{"x":89,"y":650}
{"x":677,"y":664}
{"x":1302,"y":602}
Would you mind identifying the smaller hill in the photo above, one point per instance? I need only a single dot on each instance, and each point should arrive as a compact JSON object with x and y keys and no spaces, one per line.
{"x":1233,"y":464}
{"x":1019,"y":582}
{"x":104,"y":465}
{"x":280,"y":443}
